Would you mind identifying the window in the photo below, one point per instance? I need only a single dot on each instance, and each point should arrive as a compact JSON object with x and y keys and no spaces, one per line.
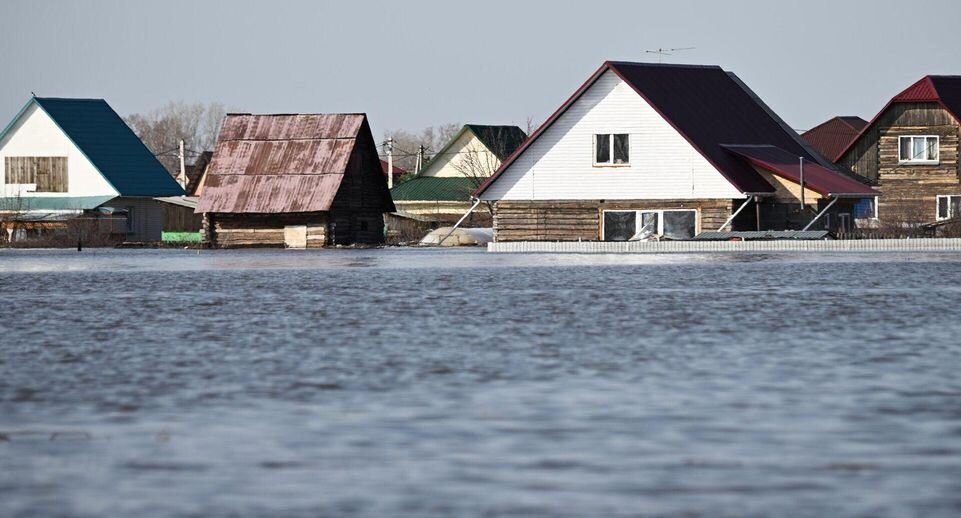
{"x":636,"y":225}
{"x":612,"y":149}
{"x":949,"y":206}
{"x":866,"y":208}
{"x":36,"y":173}
{"x":918,"y":149}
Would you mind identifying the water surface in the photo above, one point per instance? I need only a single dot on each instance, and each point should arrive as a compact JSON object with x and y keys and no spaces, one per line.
{"x":457,"y":383}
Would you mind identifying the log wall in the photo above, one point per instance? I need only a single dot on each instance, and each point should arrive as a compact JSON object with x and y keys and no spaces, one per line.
{"x":909,"y":191}
{"x":581,"y":220}
{"x":262,"y":230}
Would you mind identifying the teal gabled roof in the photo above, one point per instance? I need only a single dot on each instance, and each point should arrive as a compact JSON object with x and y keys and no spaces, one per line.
{"x":106,"y":140}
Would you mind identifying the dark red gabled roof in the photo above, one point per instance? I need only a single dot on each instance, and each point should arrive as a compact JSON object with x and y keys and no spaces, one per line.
{"x":787,"y":165}
{"x":944,"y":90}
{"x":831,"y":136}
{"x":706,"y":105}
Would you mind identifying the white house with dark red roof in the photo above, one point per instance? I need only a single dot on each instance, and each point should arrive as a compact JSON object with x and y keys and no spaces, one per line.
{"x":910,"y":149}
{"x":665,"y":151}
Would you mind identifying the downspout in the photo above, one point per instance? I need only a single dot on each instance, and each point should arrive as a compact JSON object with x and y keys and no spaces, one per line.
{"x":461,"y":220}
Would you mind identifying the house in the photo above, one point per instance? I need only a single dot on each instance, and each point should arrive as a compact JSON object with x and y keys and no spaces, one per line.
{"x":67,"y":159}
{"x":831,"y":136}
{"x":910,"y":149}
{"x":306,"y":180}
{"x":441,"y":191}
{"x":396,"y":175}
{"x":197,"y":173}
{"x":665,"y":151}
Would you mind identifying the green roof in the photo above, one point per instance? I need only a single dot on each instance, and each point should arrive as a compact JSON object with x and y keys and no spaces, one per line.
{"x":106,"y":140}
{"x":434,"y":188}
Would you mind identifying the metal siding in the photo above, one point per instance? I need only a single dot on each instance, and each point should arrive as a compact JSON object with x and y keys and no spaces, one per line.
{"x":279,"y":163}
{"x":559,"y":164}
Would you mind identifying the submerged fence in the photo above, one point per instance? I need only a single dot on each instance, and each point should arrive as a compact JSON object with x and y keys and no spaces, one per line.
{"x":785,"y":245}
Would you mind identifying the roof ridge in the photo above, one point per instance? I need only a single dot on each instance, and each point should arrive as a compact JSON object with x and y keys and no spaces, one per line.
{"x":663,"y":65}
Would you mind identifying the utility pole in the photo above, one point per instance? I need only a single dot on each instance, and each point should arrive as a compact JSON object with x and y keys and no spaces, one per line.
{"x":389,"y":145}
{"x":420,"y":158}
{"x":183,"y":168}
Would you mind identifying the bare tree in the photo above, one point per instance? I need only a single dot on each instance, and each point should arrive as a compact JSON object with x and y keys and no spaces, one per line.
{"x":161,"y":130}
{"x":407,"y":143}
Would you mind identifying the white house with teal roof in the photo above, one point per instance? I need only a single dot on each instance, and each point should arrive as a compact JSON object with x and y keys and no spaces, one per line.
{"x":66,"y":157}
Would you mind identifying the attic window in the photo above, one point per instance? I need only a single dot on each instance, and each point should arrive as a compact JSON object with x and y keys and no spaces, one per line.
{"x":922,"y":149}
{"x":37,"y":173}
{"x":612,"y":149}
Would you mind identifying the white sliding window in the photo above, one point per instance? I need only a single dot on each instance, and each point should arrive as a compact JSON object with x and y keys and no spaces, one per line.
{"x":637,"y":225}
{"x":612,"y":149}
{"x":918,"y":149}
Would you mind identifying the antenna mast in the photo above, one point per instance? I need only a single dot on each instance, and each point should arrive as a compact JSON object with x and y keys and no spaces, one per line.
{"x":667,"y":52}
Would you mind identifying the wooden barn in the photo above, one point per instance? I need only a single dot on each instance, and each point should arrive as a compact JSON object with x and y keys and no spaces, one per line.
{"x":910,"y":150}
{"x":300,"y":181}
{"x":652,"y":151}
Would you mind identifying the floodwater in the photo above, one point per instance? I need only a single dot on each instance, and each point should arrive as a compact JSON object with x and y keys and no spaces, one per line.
{"x":457,"y":383}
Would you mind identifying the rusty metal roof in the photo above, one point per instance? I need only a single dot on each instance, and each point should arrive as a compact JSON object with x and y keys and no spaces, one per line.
{"x":279,"y":163}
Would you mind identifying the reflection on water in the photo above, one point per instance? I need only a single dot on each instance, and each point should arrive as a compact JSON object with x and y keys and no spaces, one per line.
{"x":419,"y":382}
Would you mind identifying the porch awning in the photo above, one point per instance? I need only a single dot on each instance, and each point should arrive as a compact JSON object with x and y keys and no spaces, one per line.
{"x":818,"y":178}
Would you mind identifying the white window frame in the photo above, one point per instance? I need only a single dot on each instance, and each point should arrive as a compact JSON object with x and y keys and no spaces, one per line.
{"x":610,"y":150}
{"x":937,"y":215}
{"x":660,"y":219}
{"x":926,"y":161}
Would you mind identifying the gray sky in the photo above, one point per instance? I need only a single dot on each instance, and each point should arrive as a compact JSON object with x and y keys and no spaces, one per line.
{"x":414,"y":64}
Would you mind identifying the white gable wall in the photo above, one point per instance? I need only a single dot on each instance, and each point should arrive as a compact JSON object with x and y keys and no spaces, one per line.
{"x":36,"y":134}
{"x":467,"y":153}
{"x":559,"y":164}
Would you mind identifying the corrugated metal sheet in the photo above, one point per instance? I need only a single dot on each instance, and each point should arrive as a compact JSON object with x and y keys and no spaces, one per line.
{"x":269,"y":194}
{"x":752,"y":235}
{"x":830,"y":137}
{"x":279,"y":163}
{"x":434,"y":188}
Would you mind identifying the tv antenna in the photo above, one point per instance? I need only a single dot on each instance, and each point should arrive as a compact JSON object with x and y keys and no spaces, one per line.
{"x":667,"y":52}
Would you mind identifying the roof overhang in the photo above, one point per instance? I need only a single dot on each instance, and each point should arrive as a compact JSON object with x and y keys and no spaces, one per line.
{"x":824,"y":181}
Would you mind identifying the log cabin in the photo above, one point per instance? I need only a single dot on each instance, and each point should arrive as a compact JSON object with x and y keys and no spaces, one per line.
{"x":69,"y":159}
{"x":910,"y":150}
{"x":298,"y":181}
{"x":663,"y":151}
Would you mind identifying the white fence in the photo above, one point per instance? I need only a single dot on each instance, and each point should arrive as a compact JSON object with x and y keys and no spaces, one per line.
{"x":640,"y":247}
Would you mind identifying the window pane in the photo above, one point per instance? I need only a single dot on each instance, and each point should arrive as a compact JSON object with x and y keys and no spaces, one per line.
{"x":955,"y":207}
{"x":602,"y":149}
{"x":932,"y":148}
{"x":942,"y":207}
{"x":622,"y":149}
{"x":905,"y":149}
{"x":864,"y":208}
{"x":679,"y":224}
{"x":648,"y":225}
{"x":917,"y":149}
{"x":619,"y":226}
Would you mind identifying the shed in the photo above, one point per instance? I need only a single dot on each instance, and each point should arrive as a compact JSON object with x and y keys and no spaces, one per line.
{"x":303,"y":180}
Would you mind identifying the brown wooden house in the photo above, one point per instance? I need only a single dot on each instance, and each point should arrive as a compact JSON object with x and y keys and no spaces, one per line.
{"x":910,"y":150}
{"x":301,"y":181}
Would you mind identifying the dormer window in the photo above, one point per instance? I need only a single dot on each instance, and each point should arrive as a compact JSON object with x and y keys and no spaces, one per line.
{"x":612,"y":149}
{"x":918,"y":149}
